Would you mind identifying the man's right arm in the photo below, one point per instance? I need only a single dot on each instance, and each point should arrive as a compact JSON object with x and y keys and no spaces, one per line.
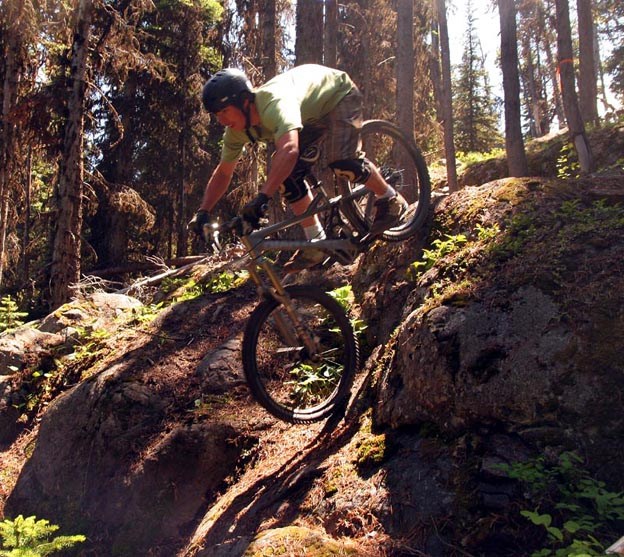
{"x":217,"y":184}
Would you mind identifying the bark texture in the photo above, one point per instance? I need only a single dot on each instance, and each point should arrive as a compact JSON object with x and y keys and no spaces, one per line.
{"x":65,"y":270}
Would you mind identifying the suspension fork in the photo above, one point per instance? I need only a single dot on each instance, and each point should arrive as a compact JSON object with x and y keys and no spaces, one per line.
{"x":276,"y":290}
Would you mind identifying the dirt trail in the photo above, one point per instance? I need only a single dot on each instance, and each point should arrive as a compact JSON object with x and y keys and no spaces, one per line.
{"x":269,"y":492}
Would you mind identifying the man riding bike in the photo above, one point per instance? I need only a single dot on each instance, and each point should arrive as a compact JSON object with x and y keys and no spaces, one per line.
{"x":292,"y":111}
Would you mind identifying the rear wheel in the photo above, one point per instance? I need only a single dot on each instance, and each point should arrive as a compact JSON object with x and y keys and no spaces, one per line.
{"x":294,"y":381}
{"x":402,"y":165}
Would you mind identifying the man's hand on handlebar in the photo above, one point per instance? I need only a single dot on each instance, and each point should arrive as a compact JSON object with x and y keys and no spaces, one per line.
{"x":205,"y":229}
{"x":256,"y":209}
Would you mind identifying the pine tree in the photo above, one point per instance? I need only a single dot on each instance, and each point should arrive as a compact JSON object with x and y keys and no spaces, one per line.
{"x":153,"y":127}
{"x":29,"y":537}
{"x":474,"y":106}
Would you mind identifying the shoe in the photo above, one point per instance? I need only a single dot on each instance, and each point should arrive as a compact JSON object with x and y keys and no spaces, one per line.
{"x":388,"y":213}
{"x":304,"y":259}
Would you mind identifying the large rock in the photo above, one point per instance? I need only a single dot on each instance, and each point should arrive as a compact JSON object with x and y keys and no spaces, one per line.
{"x":525,"y":330}
{"x":108,"y":464}
{"x":34,"y":347}
{"x":24,"y":345}
{"x":99,"y":310}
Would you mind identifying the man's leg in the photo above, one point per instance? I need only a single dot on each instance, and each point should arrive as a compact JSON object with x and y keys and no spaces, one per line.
{"x":312,"y":225}
{"x":299,"y":197}
{"x":344,"y":150}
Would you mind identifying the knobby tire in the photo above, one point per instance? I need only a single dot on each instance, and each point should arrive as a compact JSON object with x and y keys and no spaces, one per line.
{"x":278,"y":371}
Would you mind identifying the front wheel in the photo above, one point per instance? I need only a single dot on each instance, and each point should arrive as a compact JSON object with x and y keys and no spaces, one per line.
{"x":292,"y":379}
{"x":402,"y":165}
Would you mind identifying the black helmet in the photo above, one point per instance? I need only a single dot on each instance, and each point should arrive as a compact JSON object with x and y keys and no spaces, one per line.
{"x":228,"y":86}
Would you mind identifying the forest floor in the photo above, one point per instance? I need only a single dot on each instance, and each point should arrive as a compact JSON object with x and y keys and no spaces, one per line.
{"x":283,"y":458}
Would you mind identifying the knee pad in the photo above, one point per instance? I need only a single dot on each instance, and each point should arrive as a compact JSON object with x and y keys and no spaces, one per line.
{"x":354,"y":170}
{"x":294,"y":188}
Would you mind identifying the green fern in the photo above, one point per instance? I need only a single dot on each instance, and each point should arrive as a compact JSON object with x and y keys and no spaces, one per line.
{"x":575,"y":510}
{"x":431,"y":256}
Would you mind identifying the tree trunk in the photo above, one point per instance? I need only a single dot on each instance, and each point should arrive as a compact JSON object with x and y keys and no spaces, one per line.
{"x":405,"y":66}
{"x":554,"y":76}
{"x":65,"y":269}
{"x":309,"y":29}
{"x":606,"y":105}
{"x":446,"y":97}
{"x":330,"y":48}
{"x":269,"y":33}
{"x":514,"y":144}
{"x":182,"y":232}
{"x":588,"y":75}
{"x":27,"y":211}
{"x":529,"y":80}
{"x":7,"y":130}
{"x":568,"y":91}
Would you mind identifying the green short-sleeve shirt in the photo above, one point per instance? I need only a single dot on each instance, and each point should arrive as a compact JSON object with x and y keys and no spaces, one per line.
{"x":287,"y":102}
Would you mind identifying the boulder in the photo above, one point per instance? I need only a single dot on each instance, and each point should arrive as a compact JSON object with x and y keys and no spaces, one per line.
{"x":298,"y":540}
{"x":525,"y":329}
{"x":24,"y":345}
{"x":220,"y":370}
{"x":107,"y":463}
{"x":95,"y":311}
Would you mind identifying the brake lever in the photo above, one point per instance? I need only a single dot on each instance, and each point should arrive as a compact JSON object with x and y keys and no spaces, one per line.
{"x":210,"y":233}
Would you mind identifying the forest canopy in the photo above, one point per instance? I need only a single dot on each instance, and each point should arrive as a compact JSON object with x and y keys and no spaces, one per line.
{"x":105,"y":149}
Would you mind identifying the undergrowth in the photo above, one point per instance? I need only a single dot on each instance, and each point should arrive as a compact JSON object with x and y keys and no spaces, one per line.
{"x":577,"y":514}
{"x":10,"y":315}
{"x":29,"y":537}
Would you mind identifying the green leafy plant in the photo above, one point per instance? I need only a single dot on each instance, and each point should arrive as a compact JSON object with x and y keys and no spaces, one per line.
{"x":567,"y":165}
{"x":146,"y":314}
{"x":310,"y":381}
{"x":520,"y":231}
{"x":10,"y":316}
{"x":91,"y":342}
{"x":599,"y":214}
{"x":226,"y":281}
{"x":485,"y":233}
{"x":473,"y":157}
{"x":29,"y":537}
{"x":345,"y":297}
{"x":180,"y":289}
{"x":575,"y":510}
{"x":440,"y":249}
{"x":372,"y":451}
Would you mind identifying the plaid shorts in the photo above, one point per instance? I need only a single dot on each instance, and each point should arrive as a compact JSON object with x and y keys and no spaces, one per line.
{"x":341,"y":129}
{"x":343,"y":139}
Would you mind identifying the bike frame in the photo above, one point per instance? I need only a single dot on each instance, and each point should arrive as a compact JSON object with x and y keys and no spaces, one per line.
{"x":256,"y":243}
{"x":320,"y":204}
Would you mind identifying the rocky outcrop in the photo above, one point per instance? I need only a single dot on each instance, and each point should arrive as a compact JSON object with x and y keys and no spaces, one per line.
{"x":508,"y":345}
{"x":120,"y":456}
{"x":107,"y":463}
{"x":553,"y":155}
{"x":35,"y":345}
{"x":520,"y":328}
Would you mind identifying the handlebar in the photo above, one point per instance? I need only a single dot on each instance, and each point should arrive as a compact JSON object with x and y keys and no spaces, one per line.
{"x":237,"y":224}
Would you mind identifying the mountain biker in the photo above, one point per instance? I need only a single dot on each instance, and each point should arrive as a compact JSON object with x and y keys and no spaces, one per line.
{"x":292,"y":111}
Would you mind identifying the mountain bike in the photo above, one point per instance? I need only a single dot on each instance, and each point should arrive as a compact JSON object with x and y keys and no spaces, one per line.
{"x":300,"y":353}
